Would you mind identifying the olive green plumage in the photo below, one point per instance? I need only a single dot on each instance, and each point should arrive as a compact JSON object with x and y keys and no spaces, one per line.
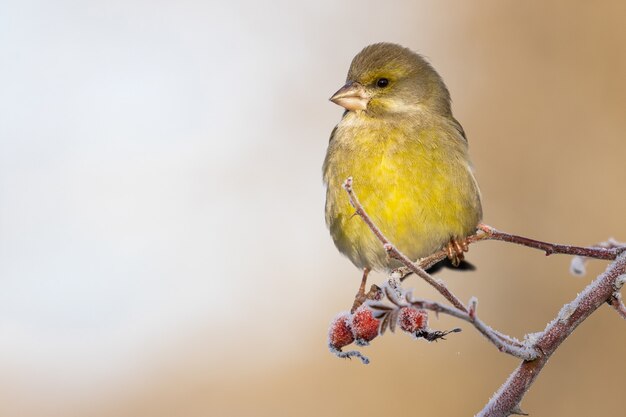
{"x":407,"y":156}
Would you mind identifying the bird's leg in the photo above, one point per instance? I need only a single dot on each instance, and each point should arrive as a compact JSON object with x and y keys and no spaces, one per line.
{"x":360,"y":296}
{"x":455,"y":250}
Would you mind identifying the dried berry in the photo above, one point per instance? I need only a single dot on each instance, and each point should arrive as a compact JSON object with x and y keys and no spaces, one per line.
{"x":364,"y":325}
{"x":340,"y":333}
{"x":412,"y":320}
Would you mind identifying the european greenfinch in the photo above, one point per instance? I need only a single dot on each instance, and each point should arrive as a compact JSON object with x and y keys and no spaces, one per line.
{"x":408,"y":157}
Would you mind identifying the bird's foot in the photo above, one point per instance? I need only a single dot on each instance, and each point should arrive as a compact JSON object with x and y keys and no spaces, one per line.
{"x":456,"y":249}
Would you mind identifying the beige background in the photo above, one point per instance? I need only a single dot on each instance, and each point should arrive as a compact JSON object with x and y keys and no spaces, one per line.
{"x":162,"y":244}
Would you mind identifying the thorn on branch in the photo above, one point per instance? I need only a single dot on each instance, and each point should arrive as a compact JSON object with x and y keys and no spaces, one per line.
{"x":618,"y":304}
{"x":518,"y":411}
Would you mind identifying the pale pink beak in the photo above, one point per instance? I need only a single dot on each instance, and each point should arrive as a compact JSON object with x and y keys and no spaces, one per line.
{"x":351,"y":96}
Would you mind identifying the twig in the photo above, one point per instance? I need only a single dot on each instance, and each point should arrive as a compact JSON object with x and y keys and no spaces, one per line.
{"x":504,"y":343}
{"x":598,"y":292}
{"x":553,"y":248}
{"x":351,"y":354}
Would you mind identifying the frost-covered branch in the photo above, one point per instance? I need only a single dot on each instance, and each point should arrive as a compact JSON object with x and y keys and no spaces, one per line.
{"x":508,"y":397}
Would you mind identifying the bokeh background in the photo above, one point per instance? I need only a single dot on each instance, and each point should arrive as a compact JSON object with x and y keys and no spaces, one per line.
{"x":162,"y":244}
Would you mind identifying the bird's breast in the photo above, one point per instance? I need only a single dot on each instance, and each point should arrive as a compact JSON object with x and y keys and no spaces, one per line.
{"x":415,"y":184}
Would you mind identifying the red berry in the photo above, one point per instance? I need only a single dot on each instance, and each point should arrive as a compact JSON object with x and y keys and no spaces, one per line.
{"x":364,"y":325}
{"x":340,"y":334}
{"x":411,"y":319}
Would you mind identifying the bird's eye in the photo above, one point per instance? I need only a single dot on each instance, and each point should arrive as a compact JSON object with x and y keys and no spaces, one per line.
{"x":382,"y":82}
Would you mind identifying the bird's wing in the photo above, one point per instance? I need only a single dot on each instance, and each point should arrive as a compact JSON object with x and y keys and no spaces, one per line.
{"x":459,"y":128}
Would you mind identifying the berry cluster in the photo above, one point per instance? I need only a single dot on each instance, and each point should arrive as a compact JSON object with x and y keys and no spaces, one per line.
{"x":362,"y":327}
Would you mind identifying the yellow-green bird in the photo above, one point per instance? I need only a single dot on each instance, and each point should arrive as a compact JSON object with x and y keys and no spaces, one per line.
{"x":408,"y":158}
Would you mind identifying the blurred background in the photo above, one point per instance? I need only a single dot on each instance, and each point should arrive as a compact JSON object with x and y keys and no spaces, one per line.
{"x":163,"y":250}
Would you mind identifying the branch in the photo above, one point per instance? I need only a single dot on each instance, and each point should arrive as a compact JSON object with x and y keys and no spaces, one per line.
{"x":508,"y":397}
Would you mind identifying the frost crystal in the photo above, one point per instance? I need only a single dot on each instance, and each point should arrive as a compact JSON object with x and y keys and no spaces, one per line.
{"x":531,"y":338}
{"x":567,"y":310}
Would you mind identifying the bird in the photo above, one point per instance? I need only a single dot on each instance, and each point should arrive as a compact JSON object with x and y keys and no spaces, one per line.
{"x":408,"y":159}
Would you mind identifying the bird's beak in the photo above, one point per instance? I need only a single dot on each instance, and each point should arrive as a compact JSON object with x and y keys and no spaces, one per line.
{"x":351,"y":96}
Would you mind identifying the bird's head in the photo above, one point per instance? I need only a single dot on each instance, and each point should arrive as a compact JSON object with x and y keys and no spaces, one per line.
{"x":388,"y":79}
